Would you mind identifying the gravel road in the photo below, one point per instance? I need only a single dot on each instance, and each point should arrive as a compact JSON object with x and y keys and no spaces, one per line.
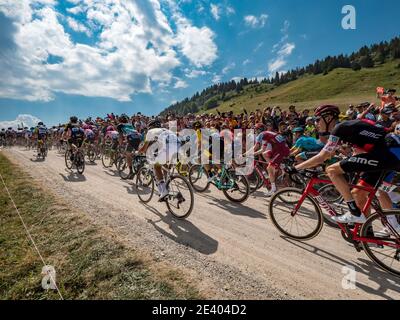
{"x":231,"y":251}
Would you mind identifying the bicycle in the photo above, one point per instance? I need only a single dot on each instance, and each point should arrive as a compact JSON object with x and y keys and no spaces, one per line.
{"x":138,"y":162}
{"x":308,"y":207}
{"x":42,"y":149}
{"x":226,"y":180}
{"x":180,"y":193}
{"x":75,"y":158}
{"x":90,"y":151}
{"x":259,"y":177}
{"x":112,"y":157}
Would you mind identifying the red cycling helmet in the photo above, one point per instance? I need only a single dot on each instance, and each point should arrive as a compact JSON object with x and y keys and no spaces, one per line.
{"x":327,"y":110}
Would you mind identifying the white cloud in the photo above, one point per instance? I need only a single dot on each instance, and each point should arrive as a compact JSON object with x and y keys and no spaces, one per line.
{"x":197,"y":44}
{"x":258,"y":47}
{"x":256,"y":22}
{"x":246,"y":62}
{"x":194,"y":73}
{"x":228,"y":68}
{"x":230,"y":10}
{"x":215,"y":11}
{"x":281,"y":59}
{"x":218,"y":10}
{"x":283,"y":50}
{"x":78,"y":27}
{"x":216,"y":78}
{"x":24,"y":120}
{"x":135,"y":47}
{"x":180,"y":84}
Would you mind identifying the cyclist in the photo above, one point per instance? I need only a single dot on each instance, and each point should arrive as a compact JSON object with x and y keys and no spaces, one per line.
{"x":3,"y":137}
{"x":74,"y":134}
{"x":40,"y":133}
{"x":274,"y":150}
{"x":304,"y":147}
{"x":371,"y":156}
{"x":133,"y":139}
{"x":160,"y":147}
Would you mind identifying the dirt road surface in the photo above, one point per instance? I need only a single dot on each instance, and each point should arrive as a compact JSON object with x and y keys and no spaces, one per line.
{"x":231,"y":251}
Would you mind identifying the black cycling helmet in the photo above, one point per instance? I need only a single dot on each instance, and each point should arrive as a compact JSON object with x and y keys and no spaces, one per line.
{"x":73,"y":119}
{"x":154,"y":124}
{"x":327,"y":110}
{"x":40,"y":123}
{"x":123,"y":118}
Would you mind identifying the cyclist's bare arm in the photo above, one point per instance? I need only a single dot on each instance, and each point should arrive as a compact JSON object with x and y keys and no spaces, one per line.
{"x":317,"y":160}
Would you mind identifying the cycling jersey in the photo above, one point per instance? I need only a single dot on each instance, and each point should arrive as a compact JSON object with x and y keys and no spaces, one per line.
{"x":378,"y":154}
{"x":280,"y":149}
{"x":41,"y":132}
{"x":358,"y":133}
{"x":77,"y":134}
{"x":308,"y":144}
{"x":269,"y":137}
{"x":127,"y":130}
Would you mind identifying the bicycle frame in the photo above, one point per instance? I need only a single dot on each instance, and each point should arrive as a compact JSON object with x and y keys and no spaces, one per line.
{"x":310,"y":190}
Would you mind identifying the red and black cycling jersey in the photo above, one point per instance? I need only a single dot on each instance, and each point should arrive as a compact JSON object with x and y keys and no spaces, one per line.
{"x":358,"y":133}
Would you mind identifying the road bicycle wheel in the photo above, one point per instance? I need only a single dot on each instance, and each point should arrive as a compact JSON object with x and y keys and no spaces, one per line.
{"x":305,"y":224}
{"x":254,"y":181}
{"x":198,"y":178}
{"x":385,"y":252}
{"x":240,"y":190}
{"x":334,"y":198}
{"x":69,"y":159}
{"x":123,"y":168}
{"x":91,"y":155}
{"x":180,"y":200}
{"x":145,"y":184}
{"x":80,"y":162}
{"x":106,"y":158}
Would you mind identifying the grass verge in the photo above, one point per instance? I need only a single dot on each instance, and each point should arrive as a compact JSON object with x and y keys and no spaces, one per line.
{"x":90,"y":262}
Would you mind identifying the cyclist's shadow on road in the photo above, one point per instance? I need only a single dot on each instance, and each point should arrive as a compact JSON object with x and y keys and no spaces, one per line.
{"x":237,"y":209}
{"x":385,"y":280}
{"x":184,"y":232}
{"x":37,"y":159}
{"x":73,"y":177}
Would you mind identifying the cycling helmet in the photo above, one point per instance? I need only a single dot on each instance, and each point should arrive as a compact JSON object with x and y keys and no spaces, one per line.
{"x":298,"y":130}
{"x":40,"y":123}
{"x":259,"y":127}
{"x":73,"y":119}
{"x":124,"y":118}
{"x":154,"y":124}
{"x":327,"y":110}
{"x":309,"y":119}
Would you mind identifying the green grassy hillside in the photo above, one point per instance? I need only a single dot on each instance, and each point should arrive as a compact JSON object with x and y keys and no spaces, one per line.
{"x":340,"y":86}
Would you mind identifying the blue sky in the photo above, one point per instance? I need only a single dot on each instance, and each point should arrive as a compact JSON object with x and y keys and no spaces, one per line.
{"x":90,"y":57}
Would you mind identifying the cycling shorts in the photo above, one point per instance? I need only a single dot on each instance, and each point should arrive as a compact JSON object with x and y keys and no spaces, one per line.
{"x":372,"y":164}
{"x":133,"y":143}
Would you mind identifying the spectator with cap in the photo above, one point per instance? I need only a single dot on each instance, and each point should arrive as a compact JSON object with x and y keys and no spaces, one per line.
{"x":351,"y":112}
{"x":367,"y":111}
{"x":388,"y":97}
{"x":385,"y":119}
